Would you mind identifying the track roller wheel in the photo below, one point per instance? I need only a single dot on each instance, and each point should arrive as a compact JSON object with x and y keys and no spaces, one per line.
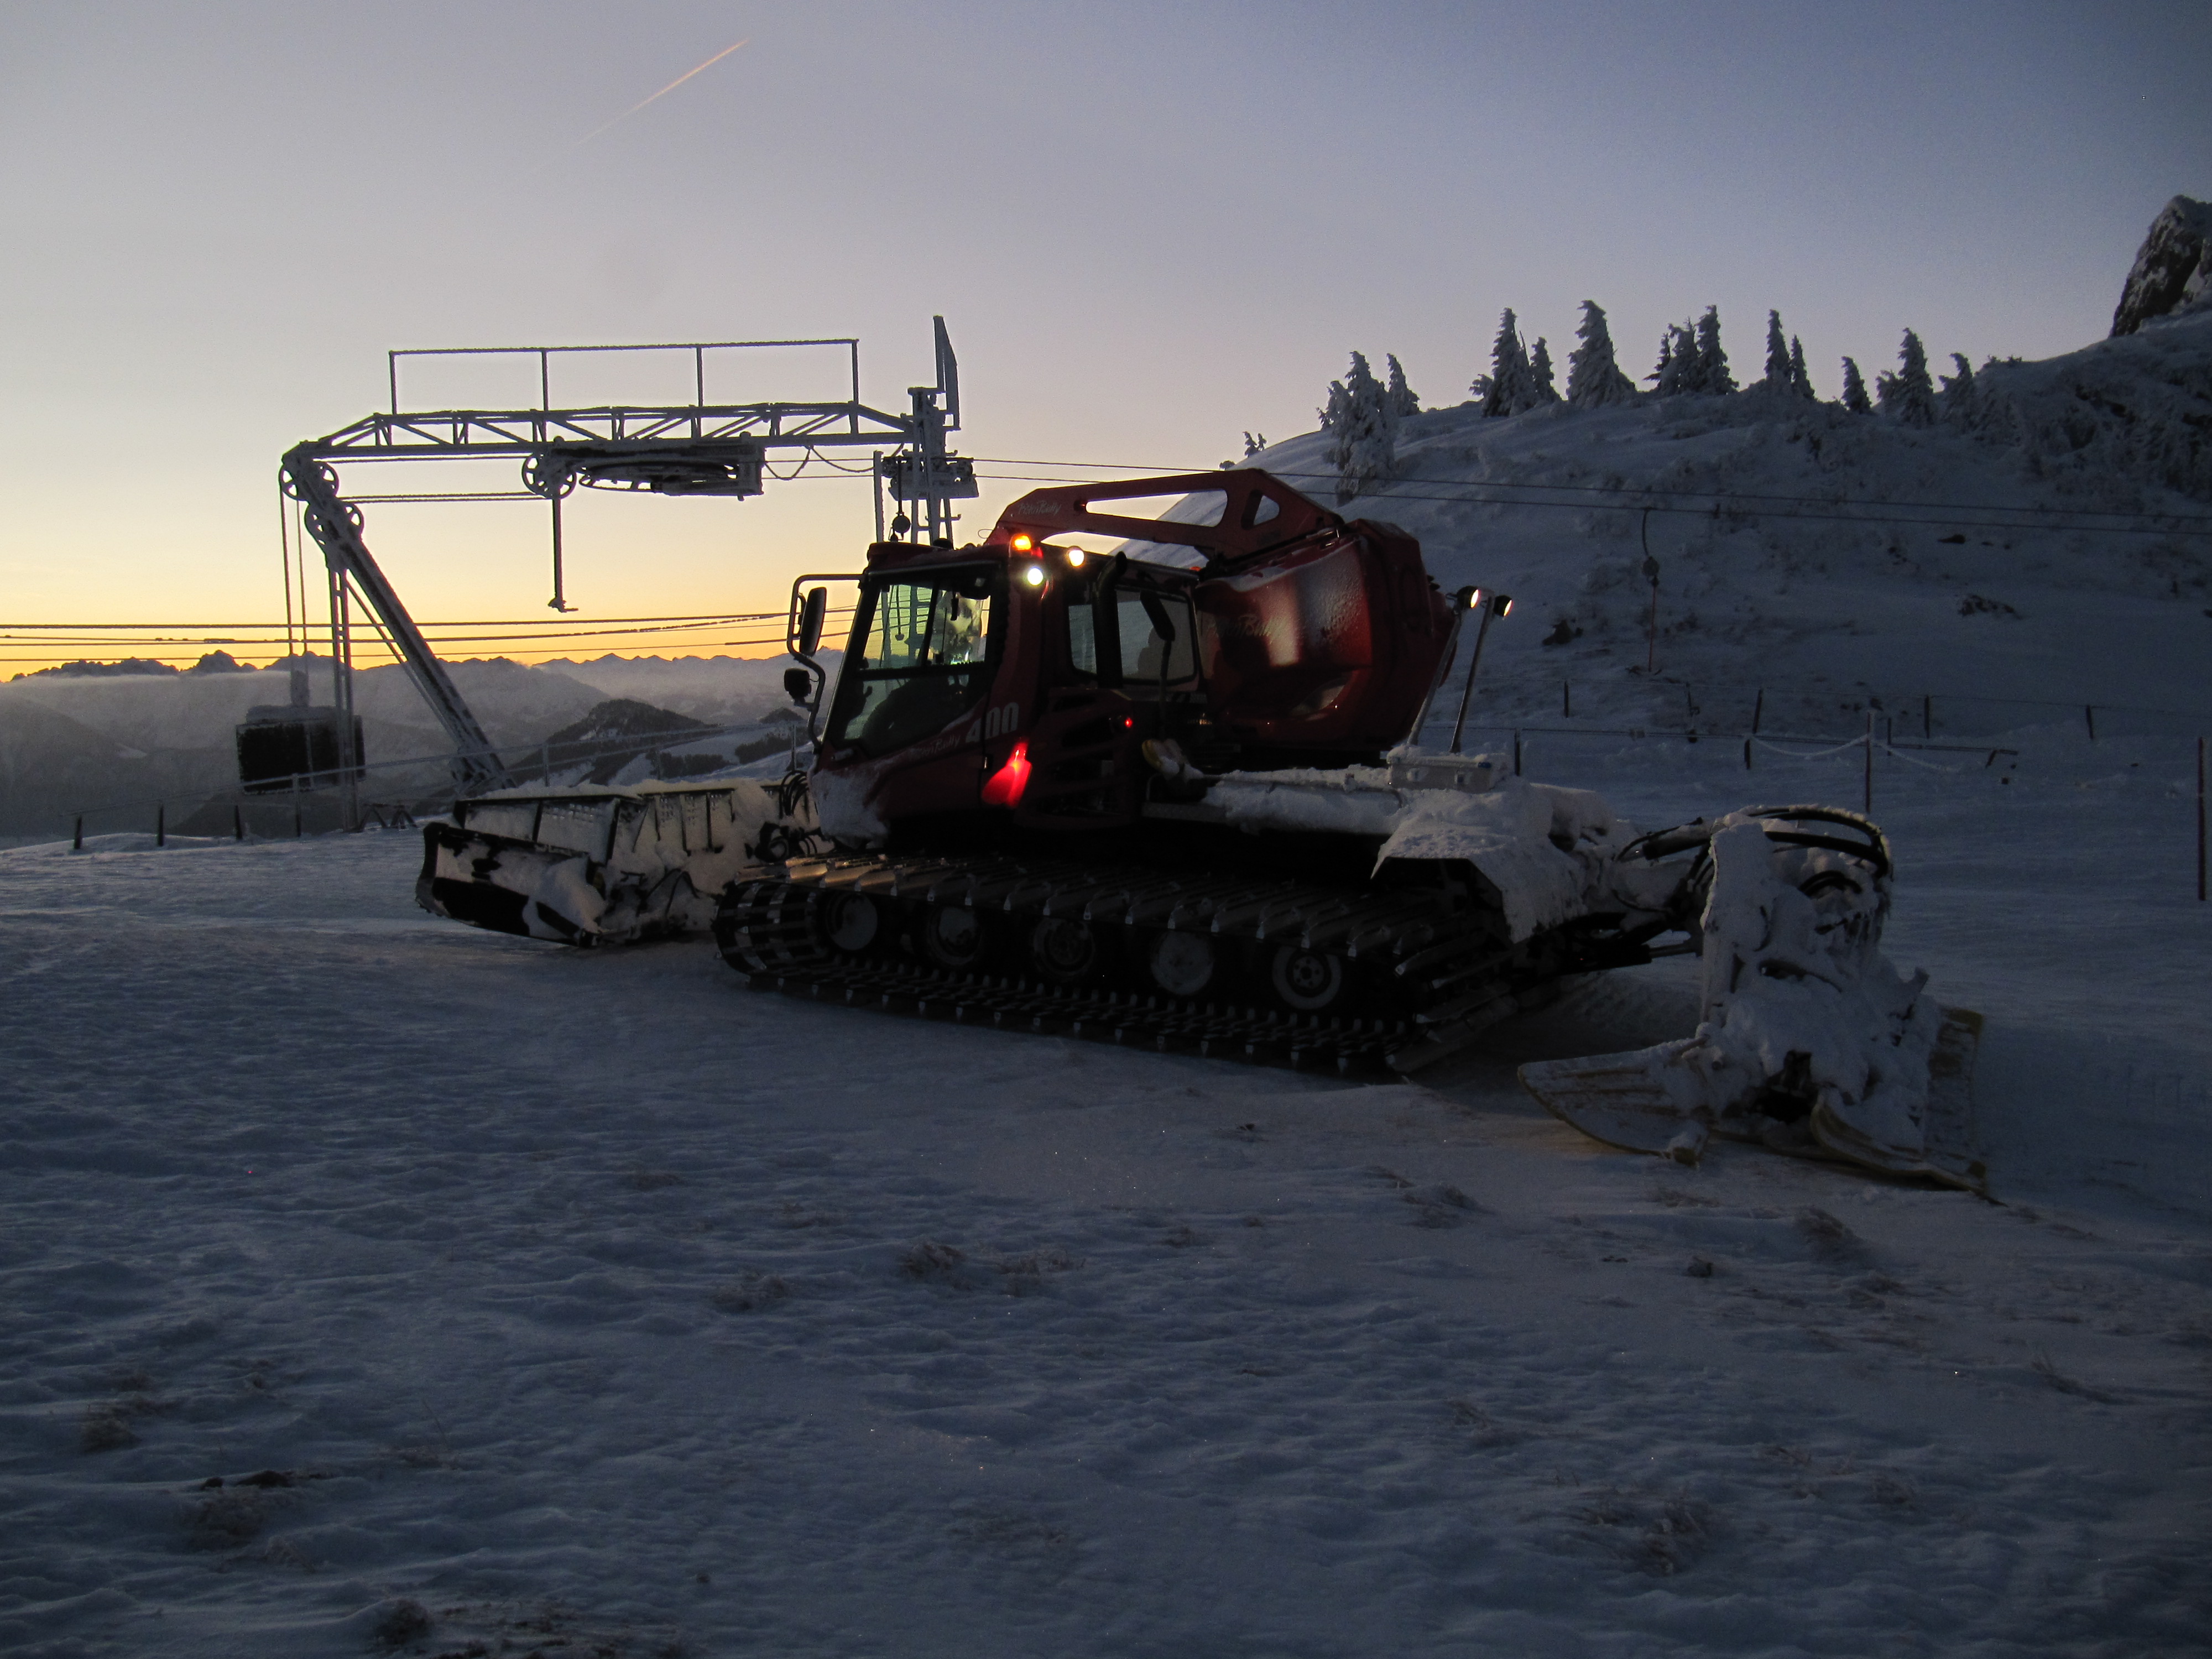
{"x":1310,"y":981}
{"x":1181,"y":964}
{"x":952,"y":936}
{"x":851,"y":922}
{"x":1065,"y":952}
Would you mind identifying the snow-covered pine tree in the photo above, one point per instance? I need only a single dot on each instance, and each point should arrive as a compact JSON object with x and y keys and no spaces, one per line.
{"x":1402,"y":400}
{"x":1662,"y":371}
{"x":1958,"y":393}
{"x":1332,"y":413}
{"x":1800,"y":383}
{"x":1909,"y":395}
{"x":1593,"y":376}
{"x":1541,"y":391}
{"x":1679,"y":368}
{"x":1713,"y":376}
{"x":1507,"y":392}
{"x":1778,"y":356}
{"x":1364,"y":449}
{"x":1253,"y":443}
{"x":1855,"y":396}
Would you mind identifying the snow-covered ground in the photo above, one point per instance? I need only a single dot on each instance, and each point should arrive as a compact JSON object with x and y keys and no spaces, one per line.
{"x":592,"y":1297}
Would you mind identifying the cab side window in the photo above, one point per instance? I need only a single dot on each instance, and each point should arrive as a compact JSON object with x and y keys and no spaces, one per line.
{"x":1142,"y":648}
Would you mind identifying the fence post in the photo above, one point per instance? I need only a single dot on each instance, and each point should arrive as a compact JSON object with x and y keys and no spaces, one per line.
{"x":1517,"y":754}
{"x":77,"y":845}
{"x":296,"y":818}
{"x":1927,"y":717}
{"x":160,"y":824}
{"x":1866,"y":796}
{"x":2089,"y":719}
{"x":1567,"y":700}
{"x":2199,"y":820}
{"x":1758,"y":709}
{"x":1746,"y":754}
{"x":237,"y":823}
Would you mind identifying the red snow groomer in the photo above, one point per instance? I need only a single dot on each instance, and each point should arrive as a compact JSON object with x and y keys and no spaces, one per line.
{"x":1165,"y":792}
{"x":1161,"y":792}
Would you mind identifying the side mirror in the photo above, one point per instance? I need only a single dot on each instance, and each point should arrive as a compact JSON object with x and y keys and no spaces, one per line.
{"x":798,"y":683}
{"x":816,"y":608}
{"x":1157,"y":614}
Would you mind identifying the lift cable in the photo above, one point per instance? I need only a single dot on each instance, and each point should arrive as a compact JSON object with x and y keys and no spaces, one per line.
{"x":705,"y":617}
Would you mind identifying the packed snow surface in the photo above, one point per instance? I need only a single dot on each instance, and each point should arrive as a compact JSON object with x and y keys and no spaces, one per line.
{"x":592,"y":1297}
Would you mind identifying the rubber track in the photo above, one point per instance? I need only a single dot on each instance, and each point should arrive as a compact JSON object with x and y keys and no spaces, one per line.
{"x":768,"y":931}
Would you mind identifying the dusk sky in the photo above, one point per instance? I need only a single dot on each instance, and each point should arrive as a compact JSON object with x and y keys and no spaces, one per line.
{"x":1149,"y":228}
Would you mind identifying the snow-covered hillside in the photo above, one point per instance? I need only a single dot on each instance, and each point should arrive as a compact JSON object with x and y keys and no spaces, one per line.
{"x":1831,"y":559}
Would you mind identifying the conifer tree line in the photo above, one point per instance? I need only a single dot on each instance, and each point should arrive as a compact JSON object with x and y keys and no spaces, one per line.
{"x":1362,"y":415}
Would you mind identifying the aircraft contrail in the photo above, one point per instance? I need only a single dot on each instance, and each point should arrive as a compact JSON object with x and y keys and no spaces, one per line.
{"x":662,"y":93}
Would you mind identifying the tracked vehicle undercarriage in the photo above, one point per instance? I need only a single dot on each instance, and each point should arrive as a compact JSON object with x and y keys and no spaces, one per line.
{"x":1277,"y":972}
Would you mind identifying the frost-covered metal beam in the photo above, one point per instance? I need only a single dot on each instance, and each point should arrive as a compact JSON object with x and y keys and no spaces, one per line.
{"x":430,"y":433}
{"x":335,"y":526}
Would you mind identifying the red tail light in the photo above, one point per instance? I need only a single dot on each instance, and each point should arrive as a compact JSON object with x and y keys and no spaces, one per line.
{"x":1004,"y":787}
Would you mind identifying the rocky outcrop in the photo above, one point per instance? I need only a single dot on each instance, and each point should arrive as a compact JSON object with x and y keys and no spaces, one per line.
{"x":615,"y":733}
{"x":2173,"y":270}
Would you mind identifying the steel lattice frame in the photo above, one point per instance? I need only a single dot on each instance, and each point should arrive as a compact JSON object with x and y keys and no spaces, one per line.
{"x":696,"y":448}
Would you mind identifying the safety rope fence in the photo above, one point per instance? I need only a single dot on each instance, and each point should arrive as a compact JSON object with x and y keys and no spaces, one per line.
{"x":1762,"y":752}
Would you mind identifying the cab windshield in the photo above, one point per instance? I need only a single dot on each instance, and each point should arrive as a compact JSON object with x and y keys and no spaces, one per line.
{"x":921,"y":658}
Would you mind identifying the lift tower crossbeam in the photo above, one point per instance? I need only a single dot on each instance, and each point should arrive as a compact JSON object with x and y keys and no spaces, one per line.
{"x":681,"y":449}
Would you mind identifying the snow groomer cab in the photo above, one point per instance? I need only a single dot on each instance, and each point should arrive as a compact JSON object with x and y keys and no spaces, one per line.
{"x":1072,"y":666}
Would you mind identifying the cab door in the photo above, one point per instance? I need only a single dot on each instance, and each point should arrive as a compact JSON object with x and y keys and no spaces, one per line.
{"x":1107,"y":663}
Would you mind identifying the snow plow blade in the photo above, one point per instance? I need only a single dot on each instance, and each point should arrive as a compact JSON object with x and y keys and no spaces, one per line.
{"x":1623,"y":1101}
{"x":599,"y":866}
{"x":1620,"y":1099}
{"x":1810,"y":1043}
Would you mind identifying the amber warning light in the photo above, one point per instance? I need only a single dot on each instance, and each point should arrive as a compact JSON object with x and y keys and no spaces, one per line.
{"x":1023,"y":542}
